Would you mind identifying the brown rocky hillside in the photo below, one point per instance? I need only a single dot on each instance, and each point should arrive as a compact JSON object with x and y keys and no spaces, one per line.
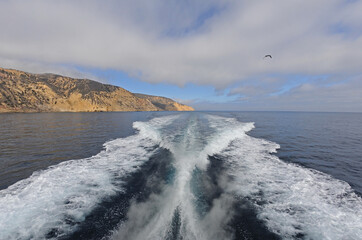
{"x":164,"y":103}
{"x":27,"y":92}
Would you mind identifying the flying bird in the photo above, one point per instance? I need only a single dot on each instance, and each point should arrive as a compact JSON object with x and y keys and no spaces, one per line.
{"x":268,"y":56}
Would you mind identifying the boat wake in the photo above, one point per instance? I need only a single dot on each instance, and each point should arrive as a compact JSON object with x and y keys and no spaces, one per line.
{"x":186,"y":176}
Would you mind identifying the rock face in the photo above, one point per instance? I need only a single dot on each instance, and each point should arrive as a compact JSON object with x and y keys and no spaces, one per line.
{"x":26,"y":92}
{"x":165,"y":103}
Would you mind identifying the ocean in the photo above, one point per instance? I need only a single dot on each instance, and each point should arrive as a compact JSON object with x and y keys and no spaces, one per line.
{"x":181,"y":175}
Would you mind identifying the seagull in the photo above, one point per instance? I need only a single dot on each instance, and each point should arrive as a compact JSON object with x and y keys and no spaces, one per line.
{"x":268,"y":56}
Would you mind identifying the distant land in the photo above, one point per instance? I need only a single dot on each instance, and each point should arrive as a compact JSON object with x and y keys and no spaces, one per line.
{"x":26,"y":92}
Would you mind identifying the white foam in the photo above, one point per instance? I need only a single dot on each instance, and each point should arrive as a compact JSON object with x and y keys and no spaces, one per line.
{"x":153,"y":128}
{"x":226,"y":130}
{"x":291,"y":199}
{"x":70,"y":190}
{"x":190,"y":148}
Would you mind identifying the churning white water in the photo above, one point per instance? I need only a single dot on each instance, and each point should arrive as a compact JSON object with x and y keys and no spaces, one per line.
{"x":289,"y":201}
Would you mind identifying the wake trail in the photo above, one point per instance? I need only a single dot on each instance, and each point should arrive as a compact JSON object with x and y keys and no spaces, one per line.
{"x":173,"y":214}
{"x":51,"y":203}
{"x":290,"y":201}
{"x":217,"y":182}
{"x":293,"y":201}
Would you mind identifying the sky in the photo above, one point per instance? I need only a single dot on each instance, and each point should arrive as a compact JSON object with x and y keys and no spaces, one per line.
{"x":208,"y":54}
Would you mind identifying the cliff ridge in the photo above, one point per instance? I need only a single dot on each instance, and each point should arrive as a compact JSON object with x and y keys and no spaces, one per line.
{"x":26,"y":92}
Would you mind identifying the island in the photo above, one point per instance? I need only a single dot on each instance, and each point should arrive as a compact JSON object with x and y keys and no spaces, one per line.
{"x":27,"y":92}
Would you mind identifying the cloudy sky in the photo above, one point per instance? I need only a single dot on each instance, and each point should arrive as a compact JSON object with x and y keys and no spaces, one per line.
{"x":206,"y":53}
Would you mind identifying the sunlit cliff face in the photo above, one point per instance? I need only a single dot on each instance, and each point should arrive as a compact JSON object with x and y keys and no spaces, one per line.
{"x":25,"y":92}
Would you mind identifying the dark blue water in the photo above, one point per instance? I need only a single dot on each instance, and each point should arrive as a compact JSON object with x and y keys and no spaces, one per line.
{"x":329,"y":142}
{"x":34,"y":141}
{"x":231,"y":185}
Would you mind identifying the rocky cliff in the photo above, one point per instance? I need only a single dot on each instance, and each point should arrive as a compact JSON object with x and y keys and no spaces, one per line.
{"x":26,"y":92}
{"x":165,"y":103}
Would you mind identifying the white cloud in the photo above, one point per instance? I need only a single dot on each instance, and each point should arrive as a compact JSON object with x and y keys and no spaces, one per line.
{"x":217,"y":43}
{"x":342,"y":96}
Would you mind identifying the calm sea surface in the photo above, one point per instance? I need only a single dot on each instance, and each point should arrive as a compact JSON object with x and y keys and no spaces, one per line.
{"x":240,"y":175}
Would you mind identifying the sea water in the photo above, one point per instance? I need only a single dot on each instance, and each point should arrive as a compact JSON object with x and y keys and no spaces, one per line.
{"x":171,"y":175}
